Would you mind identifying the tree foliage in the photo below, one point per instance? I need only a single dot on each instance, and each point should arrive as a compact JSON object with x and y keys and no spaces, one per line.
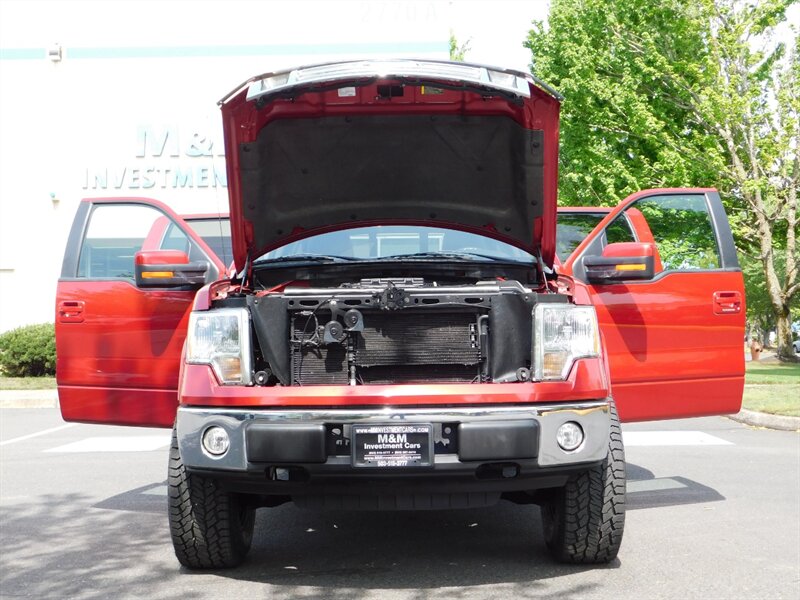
{"x":458,"y":51}
{"x":674,"y":93}
{"x":760,"y":314}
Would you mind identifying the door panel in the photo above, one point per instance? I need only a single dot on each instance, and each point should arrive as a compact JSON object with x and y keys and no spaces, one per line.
{"x":669,"y":355}
{"x":674,"y":343}
{"x":119,"y":346}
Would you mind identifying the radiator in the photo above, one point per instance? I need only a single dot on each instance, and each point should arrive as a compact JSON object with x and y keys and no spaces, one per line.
{"x":394,"y":347}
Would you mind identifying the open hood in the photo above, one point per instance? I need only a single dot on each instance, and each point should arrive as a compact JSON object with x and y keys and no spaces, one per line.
{"x":357,"y":143}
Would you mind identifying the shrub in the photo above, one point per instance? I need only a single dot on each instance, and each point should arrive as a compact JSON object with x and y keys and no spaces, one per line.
{"x":28,"y":351}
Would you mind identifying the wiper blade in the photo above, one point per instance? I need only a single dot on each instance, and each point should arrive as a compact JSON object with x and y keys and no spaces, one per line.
{"x":421,"y":256}
{"x":304,"y":258}
{"x":452,"y":255}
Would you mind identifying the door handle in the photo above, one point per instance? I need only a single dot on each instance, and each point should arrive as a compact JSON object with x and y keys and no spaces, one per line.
{"x":70,"y":311}
{"x":727,"y":303}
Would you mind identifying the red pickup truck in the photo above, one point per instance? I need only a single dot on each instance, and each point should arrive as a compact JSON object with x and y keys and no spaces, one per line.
{"x":397,"y":331}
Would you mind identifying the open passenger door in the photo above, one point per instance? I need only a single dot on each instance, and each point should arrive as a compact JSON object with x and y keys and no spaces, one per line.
{"x":662,"y":272}
{"x":130,"y":273}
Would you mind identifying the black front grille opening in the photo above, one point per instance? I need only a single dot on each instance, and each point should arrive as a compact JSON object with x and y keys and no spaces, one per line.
{"x":498,"y":470}
{"x":288,"y":473}
{"x":419,"y":374}
{"x":448,"y":443}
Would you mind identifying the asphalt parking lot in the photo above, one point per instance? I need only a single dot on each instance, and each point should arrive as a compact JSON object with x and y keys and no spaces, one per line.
{"x":713,"y":512}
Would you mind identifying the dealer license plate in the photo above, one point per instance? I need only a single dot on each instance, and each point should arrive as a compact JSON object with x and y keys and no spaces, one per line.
{"x":392,"y":445}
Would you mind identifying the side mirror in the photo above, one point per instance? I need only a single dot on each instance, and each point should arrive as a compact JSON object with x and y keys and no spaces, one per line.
{"x":624,"y":261}
{"x":168,"y":269}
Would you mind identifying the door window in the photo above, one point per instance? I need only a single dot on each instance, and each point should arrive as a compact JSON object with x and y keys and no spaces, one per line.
{"x":116,"y":232}
{"x":619,"y":230}
{"x":176,"y":239}
{"x":682,"y":230}
{"x":572,"y":229}
{"x":216,"y":233}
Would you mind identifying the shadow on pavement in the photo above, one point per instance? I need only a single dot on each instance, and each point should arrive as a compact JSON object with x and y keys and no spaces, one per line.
{"x":72,"y":546}
{"x":645,"y":490}
{"x":147,"y":498}
{"x":347,"y":554}
{"x":63,"y":546}
{"x":58,"y":546}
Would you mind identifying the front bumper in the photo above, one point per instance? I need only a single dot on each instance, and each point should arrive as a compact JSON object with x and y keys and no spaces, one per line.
{"x":279,"y":451}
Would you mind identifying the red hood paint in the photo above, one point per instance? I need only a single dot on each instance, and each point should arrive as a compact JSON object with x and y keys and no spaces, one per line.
{"x":350,"y":144}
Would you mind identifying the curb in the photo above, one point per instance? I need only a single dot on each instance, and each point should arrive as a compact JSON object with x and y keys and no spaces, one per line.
{"x":759,"y":419}
{"x":28,"y":398}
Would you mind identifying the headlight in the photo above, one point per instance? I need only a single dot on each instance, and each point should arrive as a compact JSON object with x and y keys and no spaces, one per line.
{"x":561,"y":334}
{"x":221,"y":338}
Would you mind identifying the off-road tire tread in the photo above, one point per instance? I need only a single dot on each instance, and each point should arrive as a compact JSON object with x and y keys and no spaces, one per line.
{"x":589,"y":515}
{"x":204,"y":520}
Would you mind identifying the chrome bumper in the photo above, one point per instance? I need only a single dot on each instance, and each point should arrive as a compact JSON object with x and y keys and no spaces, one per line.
{"x":593,"y":416}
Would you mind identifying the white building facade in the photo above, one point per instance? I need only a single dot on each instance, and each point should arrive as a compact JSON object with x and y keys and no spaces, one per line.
{"x":119,"y":99}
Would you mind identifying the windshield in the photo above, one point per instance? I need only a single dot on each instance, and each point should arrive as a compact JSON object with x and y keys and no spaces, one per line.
{"x":394,"y":241}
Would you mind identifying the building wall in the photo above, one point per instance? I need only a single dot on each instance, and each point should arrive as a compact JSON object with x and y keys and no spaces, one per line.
{"x":130,"y":108}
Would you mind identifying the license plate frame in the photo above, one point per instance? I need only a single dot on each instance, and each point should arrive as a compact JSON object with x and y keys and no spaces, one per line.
{"x":392,"y":446}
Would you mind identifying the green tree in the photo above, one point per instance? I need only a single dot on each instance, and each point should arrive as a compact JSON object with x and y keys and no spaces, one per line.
{"x":760,"y":315}
{"x":673,"y":93}
{"x":458,"y":51}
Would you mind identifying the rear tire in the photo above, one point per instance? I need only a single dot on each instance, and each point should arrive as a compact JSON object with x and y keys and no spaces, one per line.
{"x":584,"y":521}
{"x":211,"y":528}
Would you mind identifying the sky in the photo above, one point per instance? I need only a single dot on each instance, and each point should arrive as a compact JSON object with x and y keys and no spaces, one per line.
{"x":495,"y":30}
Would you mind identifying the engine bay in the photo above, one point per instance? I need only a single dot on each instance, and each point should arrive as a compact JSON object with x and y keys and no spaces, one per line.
{"x":395,"y":330}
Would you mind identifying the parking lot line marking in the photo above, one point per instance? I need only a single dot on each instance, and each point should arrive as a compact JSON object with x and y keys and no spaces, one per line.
{"x":160,"y":490}
{"x":653,"y":485}
{"x":138,"y":443}
{"x":672,"y":438}
{"x":37,"y":434}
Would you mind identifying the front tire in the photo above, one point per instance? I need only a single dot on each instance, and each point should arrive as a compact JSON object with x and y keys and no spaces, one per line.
{"x":211,"y":528}
{"x":583,"y":522}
